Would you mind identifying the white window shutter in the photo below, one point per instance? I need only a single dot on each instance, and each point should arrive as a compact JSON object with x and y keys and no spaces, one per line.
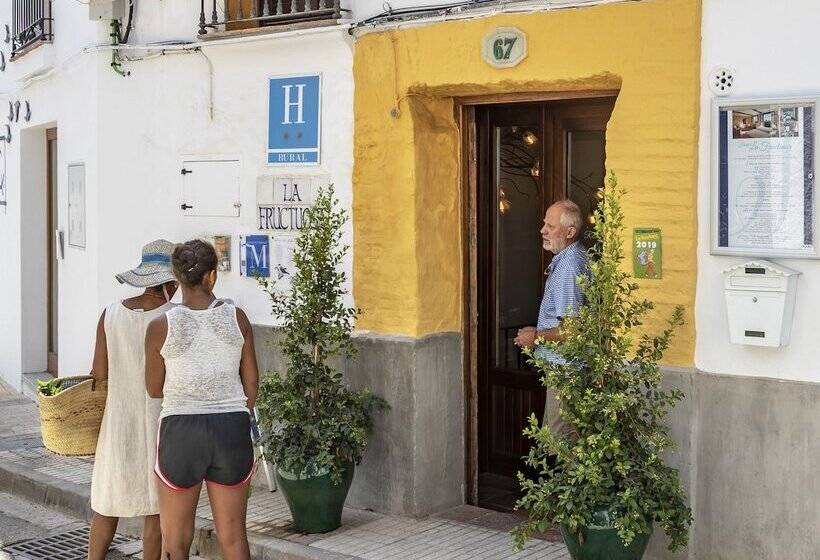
{"x":210,"y":188}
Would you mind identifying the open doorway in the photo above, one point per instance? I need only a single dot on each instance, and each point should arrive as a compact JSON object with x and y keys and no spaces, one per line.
{"x":52,"y":248}
{"x":39,"y":252}
{"x":523,"y":157}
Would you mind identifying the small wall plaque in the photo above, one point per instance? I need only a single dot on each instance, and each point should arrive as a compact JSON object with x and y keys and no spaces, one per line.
{"x":504,"y":47}
{"x":254,"y":255}
{"x":76,"y":205}
{"x":646,"y":253}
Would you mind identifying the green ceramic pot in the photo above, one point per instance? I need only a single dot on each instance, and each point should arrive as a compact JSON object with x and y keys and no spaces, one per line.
{"x":601,"y":541}
{"x":315,"y":502}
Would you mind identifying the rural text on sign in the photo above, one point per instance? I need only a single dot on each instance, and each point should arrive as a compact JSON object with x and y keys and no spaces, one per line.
{"x":294,"y":115}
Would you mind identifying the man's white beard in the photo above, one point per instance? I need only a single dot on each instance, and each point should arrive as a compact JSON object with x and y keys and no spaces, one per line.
{"x":549,"y":246}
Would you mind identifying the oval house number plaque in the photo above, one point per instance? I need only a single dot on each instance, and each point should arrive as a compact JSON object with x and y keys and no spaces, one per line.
{"x":504,"y":47}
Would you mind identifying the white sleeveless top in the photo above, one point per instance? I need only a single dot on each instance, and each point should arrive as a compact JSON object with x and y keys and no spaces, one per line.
{"x":123,"y":482}
{"x":202,"y":352}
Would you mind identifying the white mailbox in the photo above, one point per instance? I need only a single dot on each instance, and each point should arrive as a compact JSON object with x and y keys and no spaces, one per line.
{"x":760,"y":302}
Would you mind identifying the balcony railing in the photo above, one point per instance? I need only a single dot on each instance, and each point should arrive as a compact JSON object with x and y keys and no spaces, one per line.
{"x":248,"y":14}
{"x":32,"y":23}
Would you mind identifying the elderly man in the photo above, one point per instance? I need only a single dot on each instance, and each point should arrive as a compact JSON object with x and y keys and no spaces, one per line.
{"x":562,"y":295}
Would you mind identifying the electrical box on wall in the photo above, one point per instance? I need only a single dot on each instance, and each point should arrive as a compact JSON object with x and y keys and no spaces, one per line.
{"x":106,"y":9}
{"x":210,"y":188}
{"x":760,"y":299}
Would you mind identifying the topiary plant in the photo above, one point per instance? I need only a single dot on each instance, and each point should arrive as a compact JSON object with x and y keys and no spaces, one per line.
{"x":312,"y":422}
{"x":611,"y":398}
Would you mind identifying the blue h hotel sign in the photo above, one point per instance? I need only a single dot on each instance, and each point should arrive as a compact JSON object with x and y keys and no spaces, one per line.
{"x":294,"y":111}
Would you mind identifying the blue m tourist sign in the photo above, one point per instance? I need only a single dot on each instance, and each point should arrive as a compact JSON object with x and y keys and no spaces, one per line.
{"x":294,"y":120}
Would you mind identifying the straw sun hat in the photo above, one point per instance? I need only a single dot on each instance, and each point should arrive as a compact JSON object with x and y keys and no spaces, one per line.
{"x":154,"y":268}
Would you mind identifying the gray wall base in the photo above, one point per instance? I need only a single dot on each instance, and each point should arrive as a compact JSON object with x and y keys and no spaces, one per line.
{"x":749,"y":458}
{"x":414,"y":464}
{"x":748,"y":448}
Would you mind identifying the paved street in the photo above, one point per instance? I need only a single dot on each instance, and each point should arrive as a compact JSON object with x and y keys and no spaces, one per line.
{"x":22,"y":521}
{"x":27,"y":469}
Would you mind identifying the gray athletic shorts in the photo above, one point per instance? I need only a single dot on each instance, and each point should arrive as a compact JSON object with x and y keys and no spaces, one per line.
{"x":215,"y":448}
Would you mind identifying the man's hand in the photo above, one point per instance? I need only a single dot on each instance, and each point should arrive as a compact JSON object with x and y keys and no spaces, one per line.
{"x":526,"y":337}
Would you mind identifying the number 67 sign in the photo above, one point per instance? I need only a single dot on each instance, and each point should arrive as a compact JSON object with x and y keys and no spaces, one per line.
{"x":504,"y":47}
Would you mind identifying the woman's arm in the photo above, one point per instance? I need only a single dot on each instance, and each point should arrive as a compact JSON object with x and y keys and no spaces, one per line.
{"x":248,"y":370}
{"x":154,"y":362}
{"x":99,"y":365}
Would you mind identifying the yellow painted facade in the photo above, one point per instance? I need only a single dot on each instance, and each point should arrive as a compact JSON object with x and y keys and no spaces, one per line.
{"x":408,"y":273}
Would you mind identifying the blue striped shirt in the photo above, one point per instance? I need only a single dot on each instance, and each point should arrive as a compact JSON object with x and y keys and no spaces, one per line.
{"x":562,"y":295}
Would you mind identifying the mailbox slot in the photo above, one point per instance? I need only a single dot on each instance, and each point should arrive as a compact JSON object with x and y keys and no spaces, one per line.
{"x":760,"y":299}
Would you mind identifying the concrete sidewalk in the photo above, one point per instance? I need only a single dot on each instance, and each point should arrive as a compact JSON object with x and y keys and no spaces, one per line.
{"x":64,"y":483}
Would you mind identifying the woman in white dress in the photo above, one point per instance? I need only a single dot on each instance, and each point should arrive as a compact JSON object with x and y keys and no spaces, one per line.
{"x":123,"y":482}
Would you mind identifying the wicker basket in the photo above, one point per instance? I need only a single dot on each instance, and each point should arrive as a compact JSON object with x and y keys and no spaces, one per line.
{"x":70,"y":420}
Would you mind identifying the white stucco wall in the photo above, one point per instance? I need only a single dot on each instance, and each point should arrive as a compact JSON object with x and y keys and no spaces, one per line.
{"x":154,"y":128}
{"x":10,"y":354}
{"x":66,"y":99}
{"x":62,"y":92}
{"x":132,"y":134}
{"x":773,"y":60}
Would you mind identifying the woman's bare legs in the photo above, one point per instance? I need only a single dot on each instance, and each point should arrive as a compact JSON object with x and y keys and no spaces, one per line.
{"x":101,"y":535}
{"x":229,"y":505}
{"x":177,"y":509}
{"x":151,"y":538}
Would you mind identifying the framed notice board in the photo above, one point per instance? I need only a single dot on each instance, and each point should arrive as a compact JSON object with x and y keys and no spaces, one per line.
{"x":763,"y":177}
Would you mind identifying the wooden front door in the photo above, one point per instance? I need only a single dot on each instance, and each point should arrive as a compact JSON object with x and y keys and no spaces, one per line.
{"x":529,"y":155}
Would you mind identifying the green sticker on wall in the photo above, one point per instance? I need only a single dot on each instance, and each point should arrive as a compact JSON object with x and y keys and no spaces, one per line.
{"x":647,"y":255}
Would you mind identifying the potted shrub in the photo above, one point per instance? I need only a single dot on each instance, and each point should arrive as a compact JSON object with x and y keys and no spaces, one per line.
{"x":606,"y":484}
{"x":316,"y":428}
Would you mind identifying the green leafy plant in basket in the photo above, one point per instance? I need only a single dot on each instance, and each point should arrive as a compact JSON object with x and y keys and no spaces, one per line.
{"x":316,"y":427}
{"x":49,"y":388}
{"x":609,"y":473}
